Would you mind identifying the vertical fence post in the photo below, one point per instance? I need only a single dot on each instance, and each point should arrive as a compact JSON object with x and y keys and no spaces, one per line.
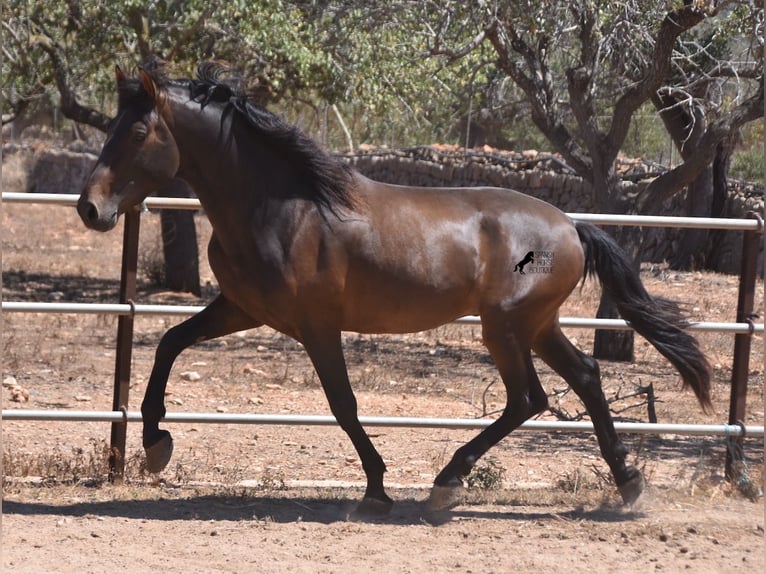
{"x":132,"y":220}
{"x":741,"y":363}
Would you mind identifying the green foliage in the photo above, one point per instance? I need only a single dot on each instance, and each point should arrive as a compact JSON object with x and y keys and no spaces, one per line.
{"x":401,"y":72}
{"x":84,"y":36}
{"x":303,"y":56}
{"x":748,"y":164}
{"x":748,"y":161}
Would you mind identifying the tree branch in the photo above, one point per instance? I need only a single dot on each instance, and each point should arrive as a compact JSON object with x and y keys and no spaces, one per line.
{"x":539,"y":94}
{"x":191,"y":32}
{"x":673,"y":25}
{"x":70,"y":107}
{"x":663,"y":187}
{"x":139,"y":21}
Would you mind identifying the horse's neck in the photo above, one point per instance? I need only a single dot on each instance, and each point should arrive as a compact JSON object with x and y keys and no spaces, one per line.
{"x":234,"y":181}
{"x":206,"y":160}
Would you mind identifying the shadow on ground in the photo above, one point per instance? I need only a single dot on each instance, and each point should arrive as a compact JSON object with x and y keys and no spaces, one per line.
{"x":286,"y":509}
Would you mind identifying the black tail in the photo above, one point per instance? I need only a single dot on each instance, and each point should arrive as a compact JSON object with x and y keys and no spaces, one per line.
{"x":659,"y":321}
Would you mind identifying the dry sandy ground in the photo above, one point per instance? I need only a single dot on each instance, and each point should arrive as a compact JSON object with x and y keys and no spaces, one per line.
{"x":279,"y":499}
{"x":110,"y":530}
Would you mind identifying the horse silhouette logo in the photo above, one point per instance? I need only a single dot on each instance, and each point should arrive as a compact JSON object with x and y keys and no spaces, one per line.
{"x":528,"y":258}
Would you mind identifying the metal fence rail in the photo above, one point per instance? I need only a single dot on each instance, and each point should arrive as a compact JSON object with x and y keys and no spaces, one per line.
{"x":136,"y":309}
{"x":596,"y":218}
{"x":727,"y":430}
{"x":743,"y":329}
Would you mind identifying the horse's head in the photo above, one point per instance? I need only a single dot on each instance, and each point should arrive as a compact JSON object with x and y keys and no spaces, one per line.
{"x":139,"y":156}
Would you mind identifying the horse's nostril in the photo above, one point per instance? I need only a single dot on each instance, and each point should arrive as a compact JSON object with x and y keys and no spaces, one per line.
{"x":88,"y":211}
{"x":92,"y":212}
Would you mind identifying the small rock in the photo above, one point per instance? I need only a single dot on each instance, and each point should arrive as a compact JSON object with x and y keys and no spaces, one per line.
{"x":249,"y":370}
{"x":191,"y":376}
{"x":19,"y":395}
{"x":83,"y":398}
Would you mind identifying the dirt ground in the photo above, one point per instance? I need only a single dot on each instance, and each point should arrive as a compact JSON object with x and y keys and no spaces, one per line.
{"x":245,"y":498}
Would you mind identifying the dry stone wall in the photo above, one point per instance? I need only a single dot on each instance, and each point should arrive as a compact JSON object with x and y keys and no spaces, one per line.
{"x":40,"y":168}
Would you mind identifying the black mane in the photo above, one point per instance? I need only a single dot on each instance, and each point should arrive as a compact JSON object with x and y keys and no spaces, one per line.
{"x":328,"y":177}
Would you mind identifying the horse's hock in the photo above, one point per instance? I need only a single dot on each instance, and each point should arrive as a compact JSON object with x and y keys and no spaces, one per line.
{"x":42,"y":168}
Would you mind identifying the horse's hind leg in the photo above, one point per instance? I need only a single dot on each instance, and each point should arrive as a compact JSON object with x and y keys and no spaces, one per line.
{"x":326,"y":353}
{"x":219,"y":318}
{"x":525,"y":397}
{"x":582,"y":374}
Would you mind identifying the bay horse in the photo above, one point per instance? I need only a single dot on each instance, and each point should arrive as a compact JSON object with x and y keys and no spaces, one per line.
{"x":309,"y":247}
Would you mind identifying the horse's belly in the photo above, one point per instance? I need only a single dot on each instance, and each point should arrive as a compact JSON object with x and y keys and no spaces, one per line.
{"x":404,"y":312}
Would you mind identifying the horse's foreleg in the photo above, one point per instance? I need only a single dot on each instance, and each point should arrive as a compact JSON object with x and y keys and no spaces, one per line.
{"x":219,"y":318}
{"x":525,"y":398}
{"x":582,"y":374}
{"x":326,"y":354}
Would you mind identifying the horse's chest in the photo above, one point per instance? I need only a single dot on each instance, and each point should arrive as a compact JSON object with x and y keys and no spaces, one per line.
{"x":246,"y":278}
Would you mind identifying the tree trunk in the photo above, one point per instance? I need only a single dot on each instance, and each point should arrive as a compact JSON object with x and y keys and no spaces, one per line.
{"x":179,"y":244}
{"x":690,"y":253}
{"x":721,"y":165}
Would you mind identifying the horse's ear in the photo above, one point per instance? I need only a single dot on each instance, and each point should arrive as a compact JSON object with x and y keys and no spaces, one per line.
{"x":147,"y":83}
{"x":119,"y":75}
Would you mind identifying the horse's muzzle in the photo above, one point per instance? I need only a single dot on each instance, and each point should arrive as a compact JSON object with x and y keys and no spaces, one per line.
{"x":95,"y":218}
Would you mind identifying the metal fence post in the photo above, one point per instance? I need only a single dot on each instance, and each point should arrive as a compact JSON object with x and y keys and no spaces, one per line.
{"x":741,"y":363}
{"x":124,"y":353}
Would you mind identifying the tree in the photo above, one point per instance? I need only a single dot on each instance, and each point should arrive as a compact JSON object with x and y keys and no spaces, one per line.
{"x":714,"y":67}
{"x":47,"y":41}
{"x":583,"y":82}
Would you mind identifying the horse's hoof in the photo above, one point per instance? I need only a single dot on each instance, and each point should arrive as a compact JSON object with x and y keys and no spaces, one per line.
{"x":444,"y":497}
{"x":631,"y":490}
{"x":158,"y":455}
